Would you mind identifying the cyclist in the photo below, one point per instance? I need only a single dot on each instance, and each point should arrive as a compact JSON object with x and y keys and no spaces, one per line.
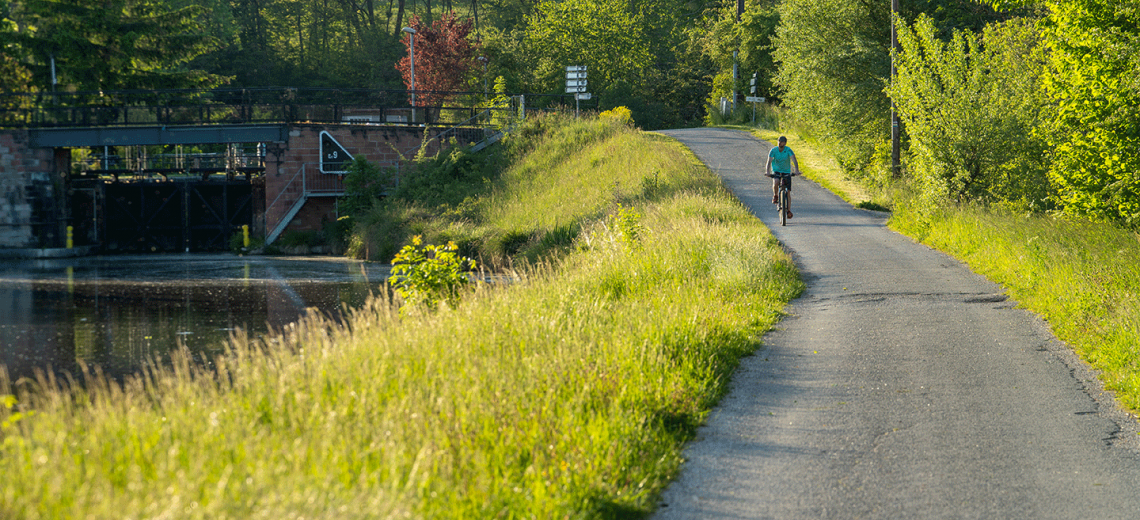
{"x":781,"y":161}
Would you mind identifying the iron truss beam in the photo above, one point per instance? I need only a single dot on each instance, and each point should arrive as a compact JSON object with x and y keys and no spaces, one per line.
{"x":146,"y":135}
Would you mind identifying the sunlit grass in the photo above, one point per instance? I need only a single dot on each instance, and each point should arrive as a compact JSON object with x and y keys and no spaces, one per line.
{"x":567,"y":393}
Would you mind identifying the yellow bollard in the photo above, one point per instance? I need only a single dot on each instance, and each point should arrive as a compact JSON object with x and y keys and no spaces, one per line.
{"x":70,"y":237}
{"x":245,"y":235}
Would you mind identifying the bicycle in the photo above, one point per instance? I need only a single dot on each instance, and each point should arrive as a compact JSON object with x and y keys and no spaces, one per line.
{"x":782,"y":196}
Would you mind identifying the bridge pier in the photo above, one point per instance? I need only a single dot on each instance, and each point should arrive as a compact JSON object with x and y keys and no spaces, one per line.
{"x":33,"y":193}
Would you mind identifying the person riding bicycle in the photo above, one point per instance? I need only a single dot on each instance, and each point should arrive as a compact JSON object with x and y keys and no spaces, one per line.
{"x":781,"y":160}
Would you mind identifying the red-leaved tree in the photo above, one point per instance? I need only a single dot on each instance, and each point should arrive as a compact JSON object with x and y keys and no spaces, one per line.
{"x":444,"y":55}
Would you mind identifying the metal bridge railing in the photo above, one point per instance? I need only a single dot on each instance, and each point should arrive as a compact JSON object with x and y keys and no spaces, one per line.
{"x":246,"y":106}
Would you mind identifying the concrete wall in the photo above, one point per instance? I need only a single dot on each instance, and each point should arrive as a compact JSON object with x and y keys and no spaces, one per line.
{"x":30,"y":214}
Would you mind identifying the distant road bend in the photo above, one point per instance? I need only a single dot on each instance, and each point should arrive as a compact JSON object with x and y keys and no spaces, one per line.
{"x":900,"y":385}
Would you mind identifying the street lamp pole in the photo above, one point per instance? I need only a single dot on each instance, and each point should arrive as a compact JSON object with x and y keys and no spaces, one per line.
{"x":412,"y":54}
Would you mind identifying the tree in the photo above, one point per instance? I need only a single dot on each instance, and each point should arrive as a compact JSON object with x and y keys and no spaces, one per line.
{"x":443,"y":55}
{"x":833,"y":61}
{"x":603,"y":35}
{"x":752,"y":37}
{"x":14,"y":76}
{"x":1095,"y":53}
{"x":972,"y":107}
{"x":115,"y":44}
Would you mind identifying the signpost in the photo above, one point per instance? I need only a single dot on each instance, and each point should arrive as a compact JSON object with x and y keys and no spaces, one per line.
{"x":576,"y":84}
{"x":334,"y":158}
{"x":752,"y":97}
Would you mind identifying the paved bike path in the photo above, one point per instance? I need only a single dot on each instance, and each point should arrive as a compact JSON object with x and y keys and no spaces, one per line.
{"x":900,"y":385}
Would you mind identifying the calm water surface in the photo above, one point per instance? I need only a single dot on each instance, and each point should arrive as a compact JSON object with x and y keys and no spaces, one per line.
{"x":119,"y":312}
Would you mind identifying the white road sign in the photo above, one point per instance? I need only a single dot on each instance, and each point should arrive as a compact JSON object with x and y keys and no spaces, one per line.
{"x":754,"y":99}
{"x":575,"y":68}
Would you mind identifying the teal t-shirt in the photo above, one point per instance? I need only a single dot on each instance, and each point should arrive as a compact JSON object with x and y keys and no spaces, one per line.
{"x":781,"y":161}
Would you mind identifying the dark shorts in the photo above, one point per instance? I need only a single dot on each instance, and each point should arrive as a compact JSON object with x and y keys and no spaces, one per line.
{"x":787,"y":181}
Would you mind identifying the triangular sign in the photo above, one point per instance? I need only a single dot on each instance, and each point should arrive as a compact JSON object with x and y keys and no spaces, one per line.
{"x":334,"y":158}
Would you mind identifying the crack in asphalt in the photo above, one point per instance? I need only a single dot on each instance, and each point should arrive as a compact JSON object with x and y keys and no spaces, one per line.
{"x":962,"y":297}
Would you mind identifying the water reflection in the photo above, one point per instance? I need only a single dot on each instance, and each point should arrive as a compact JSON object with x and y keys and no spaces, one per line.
{"x":119,"y":312}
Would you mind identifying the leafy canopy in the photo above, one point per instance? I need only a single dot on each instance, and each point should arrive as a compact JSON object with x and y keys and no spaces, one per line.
{"x":604,"y":35}
{"x":444,"y":55}
{"x":114,"y":44}
{"x":1095,"y":53}
{"x":971,"y":105}
{"x":833,"y":63}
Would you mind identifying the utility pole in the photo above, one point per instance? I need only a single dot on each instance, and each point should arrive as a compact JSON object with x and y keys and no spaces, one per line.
{"x":896,"y":167}
{"x":735,"y":67}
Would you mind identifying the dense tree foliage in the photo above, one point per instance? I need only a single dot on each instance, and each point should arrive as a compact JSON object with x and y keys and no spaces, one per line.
{"x":444,"y":55}
{"x":112,"y":45}
{"x":1094,"y":58}
{"x":971,"y":106}
{"x":834,"y":61}
{"x":604,"y":35}
{"x":749,"y":42}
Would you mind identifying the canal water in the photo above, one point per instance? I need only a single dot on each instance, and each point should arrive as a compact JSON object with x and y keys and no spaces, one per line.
{"x":120,"y":312}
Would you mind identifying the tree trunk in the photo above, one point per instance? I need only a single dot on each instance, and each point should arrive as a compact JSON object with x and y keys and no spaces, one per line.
{"x":399,"y":17}
{"x":475,"y":12}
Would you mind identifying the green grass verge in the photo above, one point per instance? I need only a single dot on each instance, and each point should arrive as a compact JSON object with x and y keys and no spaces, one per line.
{"x":568,"y":393}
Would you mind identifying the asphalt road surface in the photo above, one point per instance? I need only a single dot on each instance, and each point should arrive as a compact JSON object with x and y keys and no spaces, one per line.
{"x":900,"y":385}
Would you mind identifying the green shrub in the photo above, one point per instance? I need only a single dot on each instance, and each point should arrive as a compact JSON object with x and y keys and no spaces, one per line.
{"x":425,"y":276}
{"x":972,"y":107}
{"x":364,"y":184}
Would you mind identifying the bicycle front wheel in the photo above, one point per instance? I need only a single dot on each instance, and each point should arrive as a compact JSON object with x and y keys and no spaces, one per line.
{"x":783,"y":207}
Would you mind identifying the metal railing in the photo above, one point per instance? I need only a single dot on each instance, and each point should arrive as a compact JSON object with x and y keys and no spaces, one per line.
{"x":245,"y":106}
{"x":308,"y":182}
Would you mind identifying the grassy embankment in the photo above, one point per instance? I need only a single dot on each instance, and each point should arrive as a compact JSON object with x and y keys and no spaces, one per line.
{"x":1082,"y":277}
{"x":567,"y":394}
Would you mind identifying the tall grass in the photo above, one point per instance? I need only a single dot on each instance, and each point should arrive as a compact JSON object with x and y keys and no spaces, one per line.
{"x":565,"y":394}
{"x":1080,"y":276}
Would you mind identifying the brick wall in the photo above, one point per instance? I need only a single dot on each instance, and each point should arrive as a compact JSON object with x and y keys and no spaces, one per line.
{"x":28,"y":207}
{"x":286,"y":162}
